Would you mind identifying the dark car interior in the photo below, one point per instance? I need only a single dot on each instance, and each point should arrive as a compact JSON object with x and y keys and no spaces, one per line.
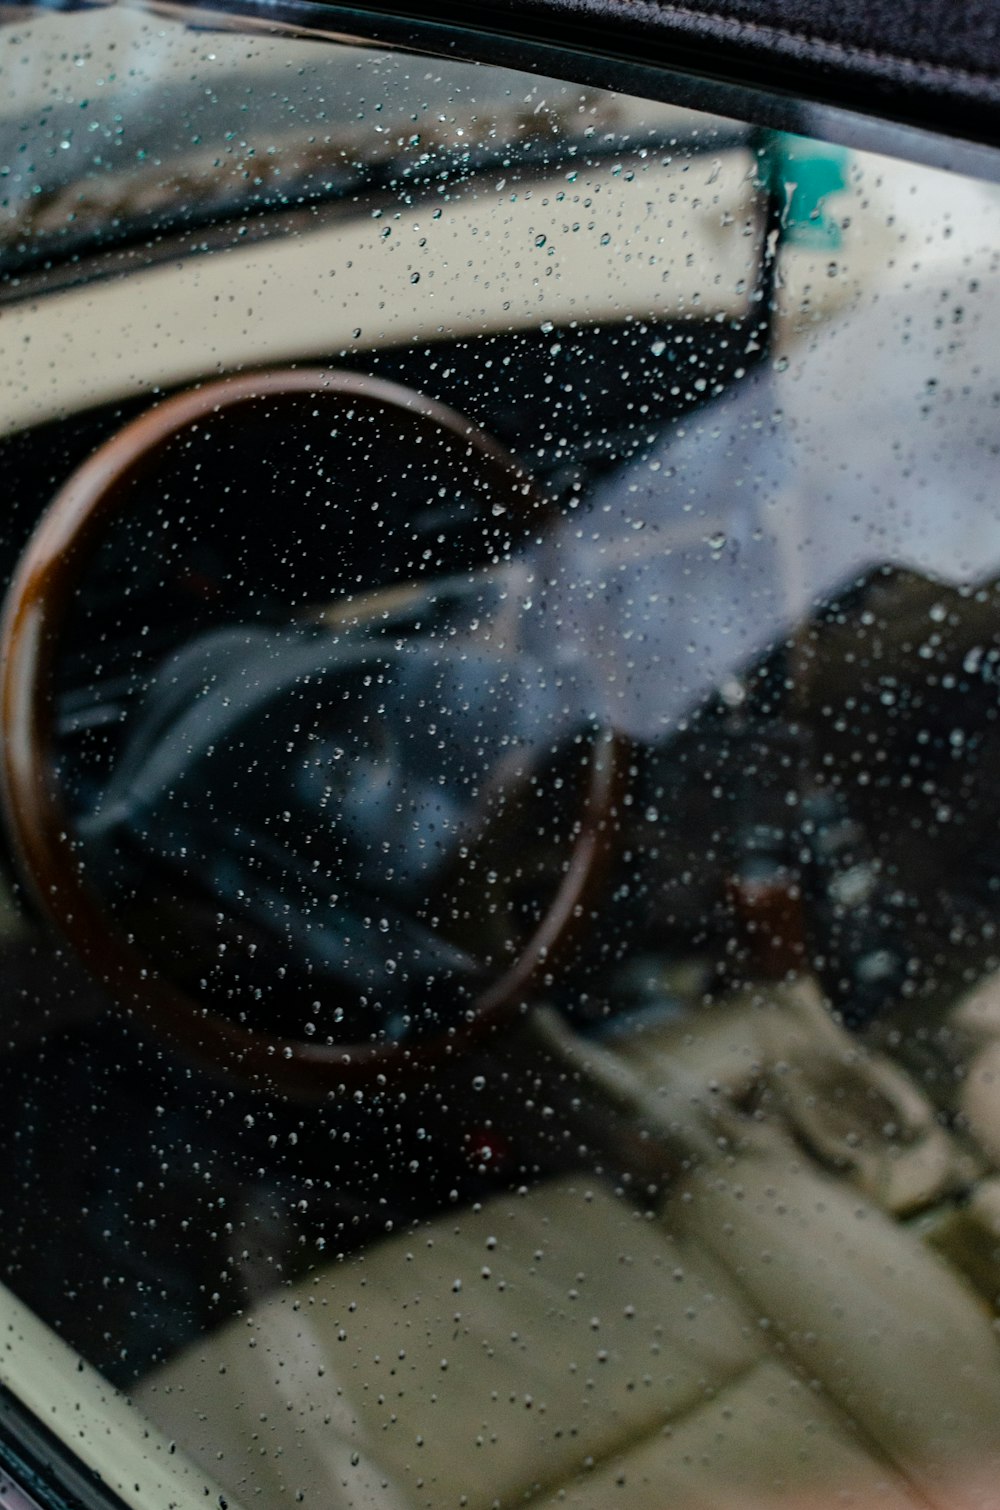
{"x":501,"y":967}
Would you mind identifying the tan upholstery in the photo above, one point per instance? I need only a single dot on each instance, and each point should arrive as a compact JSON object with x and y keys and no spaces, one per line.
{"x":975,"y":1029}
{"x":768,"y":1440}
{"x":850,"y":1106}
{"x":888,"y":1336}
{"x":489,"y":1353}
{"x":773,"y":1338}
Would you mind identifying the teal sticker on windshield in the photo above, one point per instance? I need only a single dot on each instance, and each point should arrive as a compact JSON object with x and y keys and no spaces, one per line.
{"x":806,"y":175}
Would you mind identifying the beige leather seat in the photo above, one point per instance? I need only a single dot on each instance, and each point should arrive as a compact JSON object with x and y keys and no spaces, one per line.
{"x":772,"y":1336}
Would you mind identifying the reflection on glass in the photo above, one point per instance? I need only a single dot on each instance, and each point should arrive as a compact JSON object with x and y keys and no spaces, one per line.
{"x":529,"y":822}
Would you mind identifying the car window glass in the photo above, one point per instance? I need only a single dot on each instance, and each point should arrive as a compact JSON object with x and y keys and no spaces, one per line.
{"x":499,"y":915}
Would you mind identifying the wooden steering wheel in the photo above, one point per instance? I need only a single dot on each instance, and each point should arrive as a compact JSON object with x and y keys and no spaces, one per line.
{"x":49,"y":575}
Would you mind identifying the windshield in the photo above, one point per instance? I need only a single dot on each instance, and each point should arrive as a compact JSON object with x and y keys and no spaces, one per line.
{"x":502,"y":845}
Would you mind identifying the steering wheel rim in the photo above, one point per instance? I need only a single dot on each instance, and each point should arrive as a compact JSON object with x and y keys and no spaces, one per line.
{"x":34,"y":615}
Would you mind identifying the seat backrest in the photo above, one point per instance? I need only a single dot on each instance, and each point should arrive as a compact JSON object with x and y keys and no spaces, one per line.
{"x":770,"y":1332}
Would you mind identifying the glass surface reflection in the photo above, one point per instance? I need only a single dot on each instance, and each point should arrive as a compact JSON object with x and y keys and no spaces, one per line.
{"x":526,"y":800}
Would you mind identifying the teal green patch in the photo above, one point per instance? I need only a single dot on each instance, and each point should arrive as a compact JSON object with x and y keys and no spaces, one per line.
{"x":806,"y":175}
